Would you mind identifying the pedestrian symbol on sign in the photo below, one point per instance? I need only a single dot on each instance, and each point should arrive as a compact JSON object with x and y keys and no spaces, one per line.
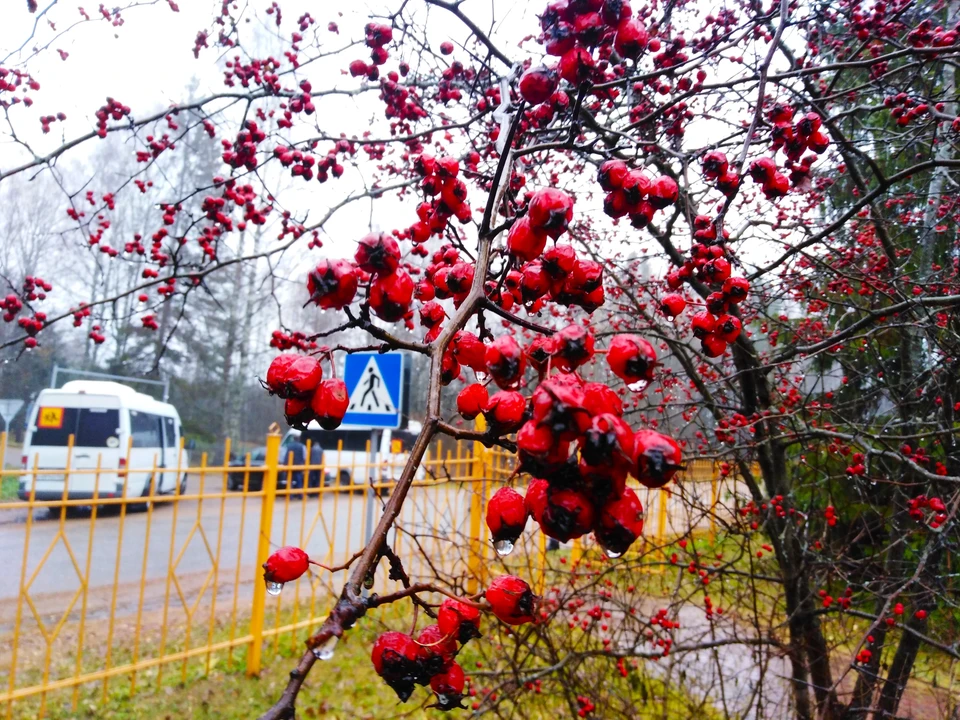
{"x":375,"y":398}
{"x":374,"y":383}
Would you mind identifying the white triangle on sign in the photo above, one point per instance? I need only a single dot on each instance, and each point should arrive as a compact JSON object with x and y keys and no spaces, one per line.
{"x":370,"y":394}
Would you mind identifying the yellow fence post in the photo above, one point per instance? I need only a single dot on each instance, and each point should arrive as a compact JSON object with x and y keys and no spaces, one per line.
{"x":477,"y":497}
{"x":662,"y":515}
{"x":713,"y":502}
{"x":576,"y":552}
{"x":271,"y":463}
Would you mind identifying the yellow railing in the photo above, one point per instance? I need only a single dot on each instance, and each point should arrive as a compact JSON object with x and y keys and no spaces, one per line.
{"x":112,"y":589}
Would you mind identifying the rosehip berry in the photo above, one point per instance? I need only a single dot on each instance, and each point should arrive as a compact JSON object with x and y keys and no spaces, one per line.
{"x":333,"y":284}
{"x":598,"y":398}
{"x":537,"y":85}
{"x":559,"y":261}
{"x":663,"y":192}
{"x":511,"y":600}
{"x":672,"y":304}
{"x":285,"y":565}
{"x":576,"y":65}
{"x":436,"y":649}
{"x":620,"y":523}
{"x":469,"y":350}
{"x":631,"y":39}
{"x":397,"y":659}
{"x":702,"y":324}
{"x":568,"y":515}
{"x":448,"y":685}
{"x":571,"y":347}
{"x":505,"y":362}
{"x":472,"y":400}
{"x":524,"y":241}
{"x":330,"y":402}
{"x":505,"y":411}
{"x":506,"y":516}
{"x":736,"y":289}
{"x":297,"y":412}
{"x":632,"y":359}
{"x":714,"y":165}
{"x":378,"y":253}
{"x":292,"y":375}
{"x":391,"y":295}
{"x":458,"y":620}
{"x":713,"y":346}
{"x":550,"y":210}
{"x":728,"y":328}
{"x":611,"y":174}
{"x":656,"y":458}
{"x":636,"y":185}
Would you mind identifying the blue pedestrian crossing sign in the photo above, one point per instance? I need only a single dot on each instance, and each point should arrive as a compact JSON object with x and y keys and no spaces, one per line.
{"x":375,"y":385}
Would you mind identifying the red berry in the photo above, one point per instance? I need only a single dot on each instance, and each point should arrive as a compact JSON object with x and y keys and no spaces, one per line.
{"x":391,"y":295}
{"x":663,"y":192}
{"x":656,"y":458}
{"x":285,"y":565}
{"x":437,"y":650}
{"x":571,"y":347}
{"x":333,"y":284}
{"x":378,"y":253}
{"x":505,"y":362}
{"x":703,"y":323}
{"x":538,"y":84}
{"x":569,"y":514}
{"x":736,"y":289}
{"x":550,"y":210}
{"x":469,"y":350}
{"x":448,"y":685}
{"x":672,"y":304}
{"x":505,"y":411}
{"x":292,"y":375}
{"x":714,"y":165}
{"x":330,"y":403}
{"x":728,"y":328}
{"x":524,"y":241}
{"x":511,"y":600}
{"x":471,"y":400}
{"x":446,"y":48}
{"x":506,"y":516}
{"x":397,"y":659}
{"x":620,"y":523}
{"x":458,"y":620}
{"x":611,"y":174}
{"x":576,"y":65}
{"x":632,"y":359}
{"x":631,"y":39}
{"x":713,"y":345}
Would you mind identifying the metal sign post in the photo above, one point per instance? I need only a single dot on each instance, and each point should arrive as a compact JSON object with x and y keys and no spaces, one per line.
{"x":8,"y":411}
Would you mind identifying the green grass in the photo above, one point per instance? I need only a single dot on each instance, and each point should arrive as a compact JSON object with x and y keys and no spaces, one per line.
{"x":8,"y":488}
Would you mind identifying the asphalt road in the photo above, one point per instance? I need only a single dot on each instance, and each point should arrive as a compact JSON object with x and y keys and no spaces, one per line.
{"x":188,"y":537}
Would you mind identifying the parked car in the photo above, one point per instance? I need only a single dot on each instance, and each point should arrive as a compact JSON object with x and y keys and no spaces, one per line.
{"x":105,"y":419}
{"x":258,"y":458}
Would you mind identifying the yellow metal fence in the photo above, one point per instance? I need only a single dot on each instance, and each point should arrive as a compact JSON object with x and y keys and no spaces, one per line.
{"x":118,"y":593}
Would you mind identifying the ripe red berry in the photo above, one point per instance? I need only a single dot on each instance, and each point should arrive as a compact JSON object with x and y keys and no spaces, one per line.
{"x":571,"y":347}
{"x":505,"y":411}
{"x":285,"y":565}
{"x":576,"y":65}
{"x":611,"y":174}
{"x":469,"y":350}
{"x":378,"y":253}
{"x":663,"y":192}
{"x":714,"y":165}
{"x":397,"y":659}
{"x":524,"y":241}
{"x":471,"y":400}
{"x":538,"y":84}
{"x":713,"y":345}
{"x":703,"y":323}
{"x":632,"y":359}
{"x":505,"y":362}
{"x":506,"y":518}
{"x":297,"y":412}
{"x":511,"y":600}
{"x":446,"y":48}
{"x":672,"y":304}
{"x":436,"y":649}
{"x":448,"y":685}
{"x":568,"y":515}
{"x":598,"y":398}
{"x":636,"y":185}
{"x":620,"y":523}
{"x":631,"y":39}
{"x":391,"y":295}
{"x":736,"y":289}
{"x":333,"y":284}
{"x":550,"y":210}
{"x":292,"y":375}
{"x":458,"y":620}
{"x":728,"y":328}
{"x":656,"y":458}
{"x":330,"y":402}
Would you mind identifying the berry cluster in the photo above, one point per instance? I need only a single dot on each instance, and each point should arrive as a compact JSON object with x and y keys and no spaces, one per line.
{"x":113,"y":109}
{"x":932,"y":511}
{"x":298,"y":379}
{"x":634,"y":193}
{"x":449,"y":193}
{"x":243,"y":152}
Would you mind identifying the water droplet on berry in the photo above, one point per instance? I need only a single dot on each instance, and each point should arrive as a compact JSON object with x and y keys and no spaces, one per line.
{"x":612,"y":555}
{"x":638,"y":386}
{"x":274,"y":588}
{"x":503,"y":547}
{"x":325,"y":651}
{"x":481,"y":376}
{"x":443,"y":699}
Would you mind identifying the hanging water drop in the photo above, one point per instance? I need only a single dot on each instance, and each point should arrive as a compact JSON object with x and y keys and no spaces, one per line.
{"x":481,"y":376}
{"x":325,"y":650}
{"x":442,"y":699}
{"x":503,"y":547}
{"x":274,"y":588}
{"x":638,"y":386}
{"x":612,"y":555}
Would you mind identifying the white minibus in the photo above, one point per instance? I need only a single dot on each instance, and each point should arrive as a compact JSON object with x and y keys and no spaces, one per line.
{"x":123,"y":432}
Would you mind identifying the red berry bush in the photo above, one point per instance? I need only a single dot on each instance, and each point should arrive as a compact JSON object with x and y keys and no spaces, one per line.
{"x":633,"y":238}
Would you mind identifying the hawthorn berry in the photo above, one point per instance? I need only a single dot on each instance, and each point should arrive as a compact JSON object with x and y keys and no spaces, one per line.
{"x":632,"y":359}
{"x":378,"y":253}
{"x":330,"y":402}
{"x":397,"y":659}
{"x":505,"y":362}
{"x":505,"y":411}
{"x":458,"y":620}
{"x":656,"y":458}
{"x":391,"y":295}
{"x":293,"y":376}
{"x":550,"y":211}
{"x":472,"y":400}
{"x":672,"y":304}
{"x":537,"y":85}
{"x":568,"y":515}
{"x":611,"y":174}
{"x":620,"y":523}
{"x":524,"y":241}
{"x":571,"y":347}
{"x":448,"y":685}
{"x":506,"y":518}
{"x":333,"y":284}
{"x":285,"y":565}
{"x":511,"y":600}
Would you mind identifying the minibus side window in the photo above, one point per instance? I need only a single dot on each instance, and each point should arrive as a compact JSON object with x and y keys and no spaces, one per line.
{"x":145,"y":429}
{"x":169,"y":432}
